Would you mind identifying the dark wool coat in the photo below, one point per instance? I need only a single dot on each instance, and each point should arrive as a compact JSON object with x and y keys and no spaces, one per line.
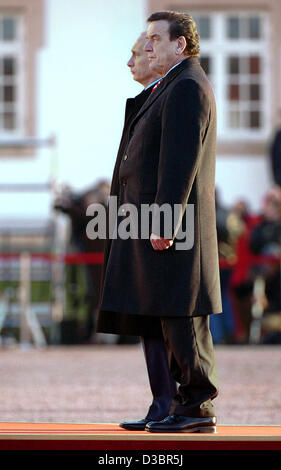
{"x":133,"y":105}
{"x":169,"y":158}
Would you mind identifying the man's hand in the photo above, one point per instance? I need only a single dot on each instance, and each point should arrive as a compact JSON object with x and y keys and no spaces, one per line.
{"x":159,"y":243}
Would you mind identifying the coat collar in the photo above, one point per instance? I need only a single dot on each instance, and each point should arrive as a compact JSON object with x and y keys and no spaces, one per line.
{"x":184,"y":65}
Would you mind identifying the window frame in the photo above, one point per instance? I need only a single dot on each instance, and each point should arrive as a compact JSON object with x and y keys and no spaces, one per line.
{"x":219,"y":48}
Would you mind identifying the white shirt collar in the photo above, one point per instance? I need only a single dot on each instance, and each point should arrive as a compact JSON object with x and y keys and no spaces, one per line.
{"x":173,"y":67}
{"x":153,"y":83}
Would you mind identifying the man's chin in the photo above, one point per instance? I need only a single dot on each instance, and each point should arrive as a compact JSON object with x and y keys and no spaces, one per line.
{"x":153,"y":66}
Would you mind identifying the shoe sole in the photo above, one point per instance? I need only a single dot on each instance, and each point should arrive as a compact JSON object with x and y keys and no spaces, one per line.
{"x":203,"y":429}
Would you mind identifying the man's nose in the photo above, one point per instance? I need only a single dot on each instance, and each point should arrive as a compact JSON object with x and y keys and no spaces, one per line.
{"x":130,"y":62}
{"x":148,"y":46}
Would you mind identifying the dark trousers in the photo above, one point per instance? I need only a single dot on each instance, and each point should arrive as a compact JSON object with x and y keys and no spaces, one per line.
{"x":192,"y":364}
{"x":163,"y":386}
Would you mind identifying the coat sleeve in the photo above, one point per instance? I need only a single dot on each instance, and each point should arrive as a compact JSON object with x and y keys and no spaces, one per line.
{"x":184,"y":121}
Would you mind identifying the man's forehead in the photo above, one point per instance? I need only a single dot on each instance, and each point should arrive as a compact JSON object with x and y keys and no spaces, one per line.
{"x":138,"y":47}
{"x":157,"y":27}
{"x":139,"y":44}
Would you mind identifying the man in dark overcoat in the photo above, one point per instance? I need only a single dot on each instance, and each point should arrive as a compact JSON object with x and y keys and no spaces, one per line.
{"x":163,"y":386}
{"x":170,"y":160}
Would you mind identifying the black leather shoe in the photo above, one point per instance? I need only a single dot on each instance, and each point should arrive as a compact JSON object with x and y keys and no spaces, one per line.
{"x":175,"y":423}
{"x":135,"y":425}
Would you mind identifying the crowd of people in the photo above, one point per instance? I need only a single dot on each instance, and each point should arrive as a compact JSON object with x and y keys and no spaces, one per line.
{"x":249,"y":252}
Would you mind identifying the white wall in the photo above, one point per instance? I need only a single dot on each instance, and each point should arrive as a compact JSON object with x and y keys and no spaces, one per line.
{"x":243,"y":177}
{"x":84,"y":82}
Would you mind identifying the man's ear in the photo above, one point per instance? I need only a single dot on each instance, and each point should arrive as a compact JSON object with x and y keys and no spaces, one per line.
{"x":181,"y":45}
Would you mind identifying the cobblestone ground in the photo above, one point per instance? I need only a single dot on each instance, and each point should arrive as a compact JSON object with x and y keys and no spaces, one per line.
{"x":108,"y":383}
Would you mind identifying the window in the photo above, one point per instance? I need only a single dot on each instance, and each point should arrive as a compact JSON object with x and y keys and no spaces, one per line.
{"x":244,"y":91}
{"x":11,"y":59}
{"x":244,"y":27}
{"x":234,"y":54}
{"x":204,"y":26}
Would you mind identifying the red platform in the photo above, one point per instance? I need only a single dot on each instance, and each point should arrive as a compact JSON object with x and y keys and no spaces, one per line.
{"x":91,"y":437}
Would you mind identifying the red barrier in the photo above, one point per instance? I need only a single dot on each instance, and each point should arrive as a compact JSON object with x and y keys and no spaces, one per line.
{"x":69,"y":258}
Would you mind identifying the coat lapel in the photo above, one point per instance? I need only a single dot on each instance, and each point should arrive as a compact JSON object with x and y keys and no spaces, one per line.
{"x":133,"y":104}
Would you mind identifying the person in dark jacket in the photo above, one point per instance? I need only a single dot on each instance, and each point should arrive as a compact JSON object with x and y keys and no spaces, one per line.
{"x":266,"y":240}
{"x":169,"y":160}
{"x":275,"y":157}
{"x":163,"y":386}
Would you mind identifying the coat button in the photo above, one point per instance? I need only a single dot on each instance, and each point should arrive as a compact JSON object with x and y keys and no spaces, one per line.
{"x":125,"y":157}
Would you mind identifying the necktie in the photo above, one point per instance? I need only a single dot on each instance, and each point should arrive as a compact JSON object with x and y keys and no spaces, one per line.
{"x":156,"y":85}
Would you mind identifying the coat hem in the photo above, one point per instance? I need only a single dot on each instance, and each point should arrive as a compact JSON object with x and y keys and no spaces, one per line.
{"x":183,"y":314}
{"x":120,"y":323}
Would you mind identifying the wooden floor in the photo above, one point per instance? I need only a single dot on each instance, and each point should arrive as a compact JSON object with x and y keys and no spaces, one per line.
{"x":103,"y":436}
